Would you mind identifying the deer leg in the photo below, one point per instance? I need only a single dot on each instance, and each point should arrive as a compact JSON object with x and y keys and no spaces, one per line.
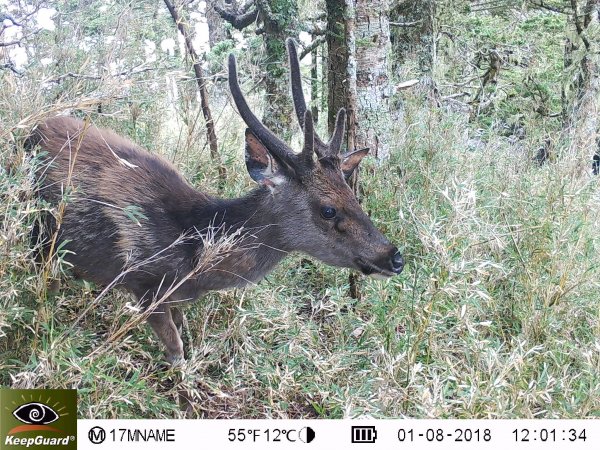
{"x":177,"y":319}
{"x":161,"y":321}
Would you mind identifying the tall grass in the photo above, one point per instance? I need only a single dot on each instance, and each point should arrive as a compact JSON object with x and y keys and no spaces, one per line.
{"x":497,"y":314}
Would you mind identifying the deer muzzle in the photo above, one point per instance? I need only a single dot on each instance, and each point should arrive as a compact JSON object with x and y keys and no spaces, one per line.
{"x":392,"y":263}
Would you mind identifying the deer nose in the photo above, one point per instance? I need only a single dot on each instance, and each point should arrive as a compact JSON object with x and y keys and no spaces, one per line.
{"x":397,"y":261}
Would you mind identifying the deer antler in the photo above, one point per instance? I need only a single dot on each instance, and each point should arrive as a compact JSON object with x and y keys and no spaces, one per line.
{"x":323,"y":150}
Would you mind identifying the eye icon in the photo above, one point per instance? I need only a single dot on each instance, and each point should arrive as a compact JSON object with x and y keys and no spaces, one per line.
{"x":35,"y":414}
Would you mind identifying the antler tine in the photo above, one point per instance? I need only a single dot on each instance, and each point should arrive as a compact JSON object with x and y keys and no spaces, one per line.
{"x":296,"y":81}
{"x":309,"y":141}
{"x":335,"y":144}
{"x":276,"y":146}
{"x":297,"y":93}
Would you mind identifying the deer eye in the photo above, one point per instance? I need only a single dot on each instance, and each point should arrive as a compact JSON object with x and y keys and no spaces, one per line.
{"x":327,"y":212}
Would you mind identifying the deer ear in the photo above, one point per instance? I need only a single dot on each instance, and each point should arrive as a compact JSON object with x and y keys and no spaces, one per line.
{"x":351,"y":160}
{"x":261,"y":166}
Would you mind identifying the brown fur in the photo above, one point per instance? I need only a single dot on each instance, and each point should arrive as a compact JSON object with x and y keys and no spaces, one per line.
{"x":125,"y":209}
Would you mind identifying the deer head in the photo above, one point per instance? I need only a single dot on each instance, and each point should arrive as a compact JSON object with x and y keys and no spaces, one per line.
{"x":315,"y":207}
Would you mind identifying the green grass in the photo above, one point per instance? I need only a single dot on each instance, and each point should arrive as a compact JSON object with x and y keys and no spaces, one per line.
{"x":496,"y":314}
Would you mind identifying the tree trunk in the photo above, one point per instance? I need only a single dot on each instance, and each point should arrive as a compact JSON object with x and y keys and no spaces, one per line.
{"x":217,"y":31}
{"x":324,"y":78}
{"x":314,"y":82}
{"x":337,"y":60}
{"x":413,"y":32}
{"x":351,"y":110}
{"x":372,"y":81}
{"x":279,"y":18}
{"x":352,"y":105}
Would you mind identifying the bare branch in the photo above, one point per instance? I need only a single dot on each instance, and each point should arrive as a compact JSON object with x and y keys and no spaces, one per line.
{"x":265,"y":10}
{"x":588,"y":10}
{"x":578,"y":25}
{"x":10,"y":66}
{"x":22,"y":20}
{"x":317,"y":30}
{"x":17,"y":23}
{"x":21,"y":39}
{"x":455,"y":96}
{"x":124,"y":73}
{"x":318,"y":17}
{"x":490,"y":4}
{"x":490,"y":8}
{"x":312,"y":46}
{"x":246,"y":7}
{"x":238,"y":21}
{"x":200,"y":80}
{"x":406,"y":24}
{"x":552,"y":8}
{"x":8,"y":17}
{"x":406,"y":84}
{"x":34,"y":11}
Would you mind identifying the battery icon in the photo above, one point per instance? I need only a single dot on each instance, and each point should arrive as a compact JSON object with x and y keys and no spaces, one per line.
{"x":364,"y":434}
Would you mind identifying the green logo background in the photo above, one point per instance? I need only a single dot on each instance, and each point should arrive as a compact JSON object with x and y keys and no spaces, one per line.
{"x":62,"y":401}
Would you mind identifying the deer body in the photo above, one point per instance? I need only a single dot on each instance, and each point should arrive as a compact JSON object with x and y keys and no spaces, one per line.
{"x":132,"y":220}
{"x":111,"y":176}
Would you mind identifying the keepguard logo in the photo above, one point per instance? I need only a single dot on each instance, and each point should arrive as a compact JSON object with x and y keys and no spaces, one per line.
{"x":38,"y":419}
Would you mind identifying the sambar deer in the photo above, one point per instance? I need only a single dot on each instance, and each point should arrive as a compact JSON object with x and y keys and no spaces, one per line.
{"x":302,"y":204}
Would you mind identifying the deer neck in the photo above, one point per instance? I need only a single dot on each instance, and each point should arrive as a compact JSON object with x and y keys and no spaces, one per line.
{"x":250,"y":234}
